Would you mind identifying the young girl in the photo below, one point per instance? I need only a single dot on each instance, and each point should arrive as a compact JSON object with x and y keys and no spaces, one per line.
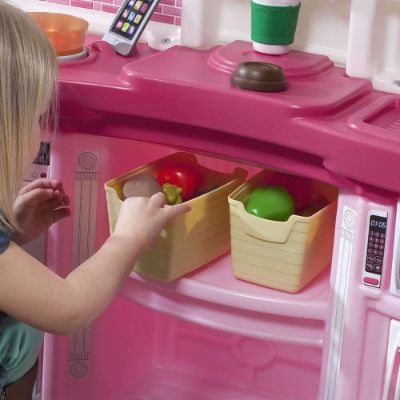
{"x":33,"y":298}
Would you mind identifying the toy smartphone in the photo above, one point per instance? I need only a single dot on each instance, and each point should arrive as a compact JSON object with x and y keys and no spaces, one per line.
{"x":129,"y":23}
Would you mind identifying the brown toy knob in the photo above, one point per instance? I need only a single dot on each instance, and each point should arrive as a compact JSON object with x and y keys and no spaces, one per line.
{"x":259,"y":76}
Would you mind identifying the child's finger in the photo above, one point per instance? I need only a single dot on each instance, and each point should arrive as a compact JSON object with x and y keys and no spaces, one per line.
{"x":52,"y":204}
{"x":158,"y":199}
{"x":173,"y":211}
{"x":60,"y":194}
{"x":37,"y":195}
{"x":65,"y":200}
{"x":42,"y":183}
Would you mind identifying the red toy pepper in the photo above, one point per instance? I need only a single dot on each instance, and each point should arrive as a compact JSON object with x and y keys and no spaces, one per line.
{"x":183,"y":176}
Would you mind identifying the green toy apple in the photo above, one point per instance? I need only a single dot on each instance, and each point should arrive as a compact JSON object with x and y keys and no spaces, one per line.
{"x":271,"y":202}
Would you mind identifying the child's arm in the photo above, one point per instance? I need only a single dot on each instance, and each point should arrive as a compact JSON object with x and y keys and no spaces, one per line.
{"x":32,"y":293}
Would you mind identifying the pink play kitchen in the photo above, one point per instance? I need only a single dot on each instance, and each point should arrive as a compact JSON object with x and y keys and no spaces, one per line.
{"x":235,"y":301}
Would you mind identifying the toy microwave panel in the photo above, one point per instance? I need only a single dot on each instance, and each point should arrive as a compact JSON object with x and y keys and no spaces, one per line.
{"x":375,"y":247}
{"x":129,"y":23}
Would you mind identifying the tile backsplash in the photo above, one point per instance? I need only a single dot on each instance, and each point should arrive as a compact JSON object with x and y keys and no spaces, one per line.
{"x":168,"y":11}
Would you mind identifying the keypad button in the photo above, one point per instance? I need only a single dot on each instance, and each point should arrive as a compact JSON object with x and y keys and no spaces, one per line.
{"x":371,"y":281}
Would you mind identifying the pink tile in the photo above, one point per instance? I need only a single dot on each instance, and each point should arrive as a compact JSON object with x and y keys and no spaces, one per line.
{"x":169,"y":2}
{"x":117,"y":2}
{"x":65,"y":2}
{"x":179,"y":3}
{"x":163,"y":18}
{"x":82,"y":4}
{"x":96,"y":6}
{"x":158,"y":9}
{"x":105,"y":1}
{"x":168,"y":10}
{"x":109,"y":8}
{"x":178,"y":21}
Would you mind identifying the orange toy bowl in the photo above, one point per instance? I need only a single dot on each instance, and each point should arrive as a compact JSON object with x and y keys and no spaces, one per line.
{"x":65,"y":32}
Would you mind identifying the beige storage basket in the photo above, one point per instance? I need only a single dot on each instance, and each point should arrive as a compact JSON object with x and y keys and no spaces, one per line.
{"x":281,"y":255}
{"x":190,"y":240}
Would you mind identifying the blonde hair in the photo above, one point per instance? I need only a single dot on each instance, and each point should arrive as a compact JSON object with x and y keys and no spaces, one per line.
{"x":28,"y":76}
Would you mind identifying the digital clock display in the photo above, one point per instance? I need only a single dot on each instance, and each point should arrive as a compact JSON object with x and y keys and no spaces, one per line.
{"x":377,"y":222}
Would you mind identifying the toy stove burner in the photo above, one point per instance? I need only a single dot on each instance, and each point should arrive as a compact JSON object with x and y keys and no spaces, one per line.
{"x":73,"y":57}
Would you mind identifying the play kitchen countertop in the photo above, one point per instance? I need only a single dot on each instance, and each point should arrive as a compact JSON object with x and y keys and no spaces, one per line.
{"x":333,"y":122}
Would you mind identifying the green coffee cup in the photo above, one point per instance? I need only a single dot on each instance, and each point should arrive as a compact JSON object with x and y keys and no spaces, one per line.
{"x":273,"y":24}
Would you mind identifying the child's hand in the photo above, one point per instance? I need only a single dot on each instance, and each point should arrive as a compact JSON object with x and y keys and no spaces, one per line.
{"x":141,"y":219}
{"x":38,"y":205}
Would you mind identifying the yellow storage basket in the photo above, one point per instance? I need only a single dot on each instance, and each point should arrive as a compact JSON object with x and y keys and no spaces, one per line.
{"x":190,"y":240}
{"x":281,"y":255}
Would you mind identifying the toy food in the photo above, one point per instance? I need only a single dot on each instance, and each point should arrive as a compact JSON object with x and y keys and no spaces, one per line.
{"x":271,"y":202}
{"x":315,"y":206}
{"x":172,"y":193}
{"x":183,"y":176}
{"x":300,"y":188}
{"x":141,"y":185}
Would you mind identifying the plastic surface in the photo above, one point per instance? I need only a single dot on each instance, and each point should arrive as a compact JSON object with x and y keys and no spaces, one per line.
{"x":358,"y":310}
{"x":239,"y":340}
{"x":326,"y":126}
{"x":372,"y":46}
{"x":395,"y":275}
{"x":322,"y":27}
{"x":73,"y":57}
{"x":282,"y":255}
{"x":141,"y":354}
{"x":184,"y":244}
{"x":310,"y":120}
{"x":66,"y":33}
{"x":360,"y":52}
{"x":392,"y":389}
